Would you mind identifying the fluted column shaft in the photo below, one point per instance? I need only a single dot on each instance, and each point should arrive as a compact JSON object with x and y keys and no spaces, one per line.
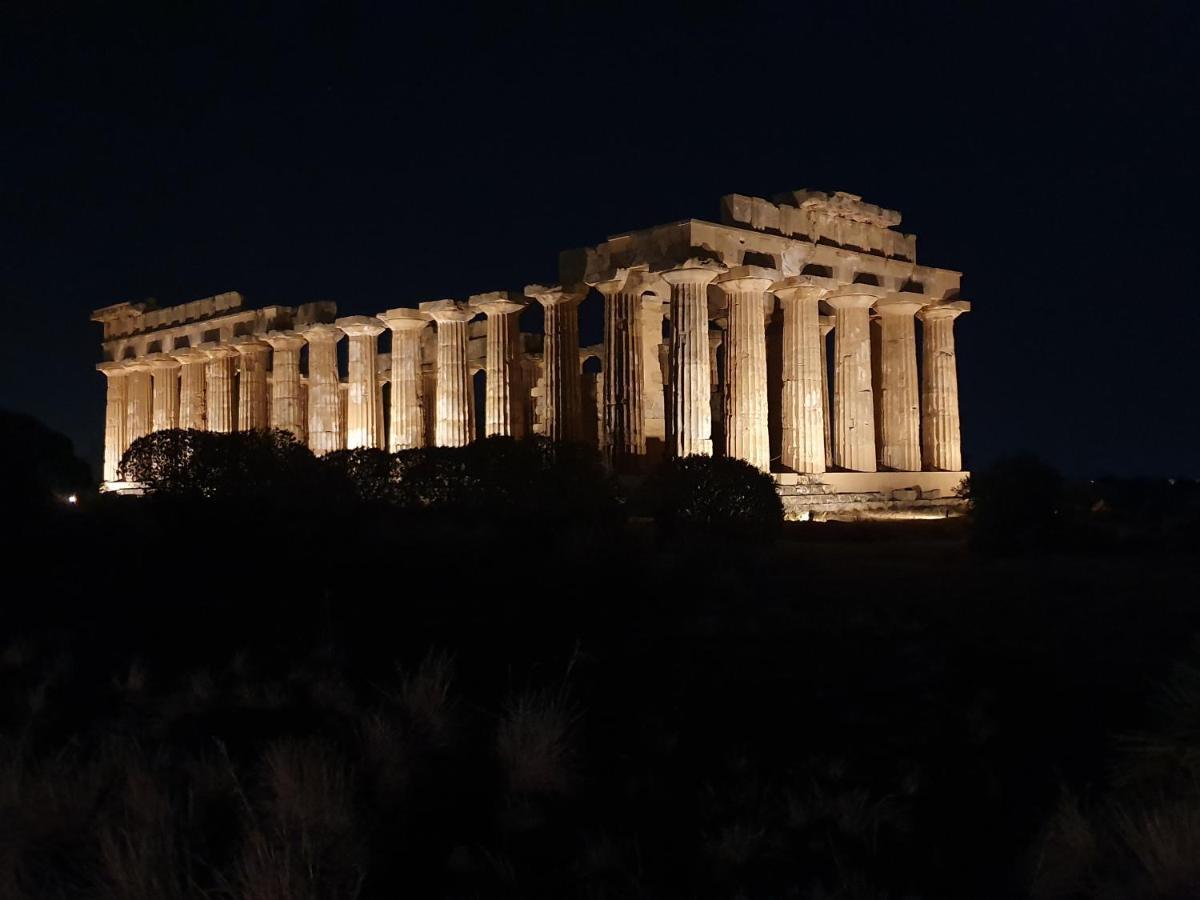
{"x":192,"y":377}
{"x":941,"y":435}
{"x":324,"y":404}
{"x":562,"y":400}
{"x":219,"y":384}
{"x":139,"y":403}
{"x":624,"y":436}
{"x":654,"y":410}
{"x":452,"y":427}
{"x":746,"y":434}
{"x":691,"y":378}
{"x":362,"y":421}
{"x":502,"y":375}
{"x":164,"y":371}
{"x":826,"y":325}
{"x":252,"y":384}
{"x":287,"y":402}
{"x":407,"y":427}
{"x":116,"y":401}
{"x":805,"y":407}
{"x":899,"y":399}
{"x":853,"y":401}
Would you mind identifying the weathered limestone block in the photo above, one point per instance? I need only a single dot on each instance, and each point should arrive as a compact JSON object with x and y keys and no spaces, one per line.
{"x":853,"y":401}
{"x":406,"y":430}
{"x":193,"y":364}
{"x":252,"y":383}
{"x":899,"y":410}
{"x":362,"y":419}
{"x":941,"y":438}
{"x":219,"y":386}
{"x":805,"y":397}
{"x":325,"y":433}
{"x":116,"y":401}
{"x":746,"y":435}
{"x":562,"y":399}
{"x":164,"y":372}
{"x":691,"y":376}
{"x":622,"y":435}
{"x":502,"y":372}
{"x":287,"y":403}
{"x":454,"y":426}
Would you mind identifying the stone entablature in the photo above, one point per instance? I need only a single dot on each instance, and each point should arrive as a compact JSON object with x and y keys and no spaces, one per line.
{"x":786,"y":335}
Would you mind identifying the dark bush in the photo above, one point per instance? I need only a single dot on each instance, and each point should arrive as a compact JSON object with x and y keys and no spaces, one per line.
{"x":366,"y":473}
{"x":720,"y":496}
{"x":242,"y":465}
{"x":1015,"y":506}
{"x":43,"y":463}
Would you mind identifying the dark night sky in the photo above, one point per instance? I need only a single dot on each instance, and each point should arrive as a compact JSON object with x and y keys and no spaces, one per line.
{"x":379,"y":157}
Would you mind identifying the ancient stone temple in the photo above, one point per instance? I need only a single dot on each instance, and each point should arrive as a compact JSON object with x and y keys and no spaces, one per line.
{"x":786,"y":334}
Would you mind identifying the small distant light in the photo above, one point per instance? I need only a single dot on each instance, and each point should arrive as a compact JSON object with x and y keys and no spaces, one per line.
{"x":1171,"y":482}
{"x":72,"y":499}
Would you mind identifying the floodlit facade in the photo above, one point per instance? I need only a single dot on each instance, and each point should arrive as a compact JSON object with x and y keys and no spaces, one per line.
{"x":800,"y":335}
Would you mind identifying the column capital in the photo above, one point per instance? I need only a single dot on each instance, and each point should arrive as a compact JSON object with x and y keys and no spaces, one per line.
{"x":950,"y":309}
{"x":360,"y":326}
{"x":217,"y":349}
{"x":323,"y":332}
{"x":161,"y":361}
{"x":803,"y":287}
{"x":827,"y":324}
{"x":448,"y":311}
{"x":899,"y":304}
{"x":497,"y":303}
{"x":614,"y":281}
{"x":249,"y":343}
{"x":186,"y":355}
{"x":284,"y":340}
{"x":746,"y":278}
{"x":553,"y":295}
{"x":404,"y":319}
{"x":693,"y":271}
{"x":854,"y":296}
{"x":112,"y":367}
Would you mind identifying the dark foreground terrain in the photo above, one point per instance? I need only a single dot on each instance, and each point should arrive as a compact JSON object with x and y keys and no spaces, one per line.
{"x":207,"y":698}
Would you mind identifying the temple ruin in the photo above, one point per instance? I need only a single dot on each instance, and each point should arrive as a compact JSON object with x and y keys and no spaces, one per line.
{"x":784,"y":334}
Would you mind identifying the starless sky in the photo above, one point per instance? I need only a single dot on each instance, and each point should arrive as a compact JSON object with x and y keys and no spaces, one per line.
{"x":385,"y":154}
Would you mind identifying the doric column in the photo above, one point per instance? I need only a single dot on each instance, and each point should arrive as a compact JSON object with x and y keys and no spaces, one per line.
{"x":324,"y":414}
{"x":827,"y":325}
{"x":253,"y":355}
{"x":502,"y":374}
{"x":941,"y":435}
{"x":407,"y":427}
{"x":654,"y":408}
{"x":853,"y":402}
{"x":691,"y":378}
{"x":219,"y":383}
{"x":287,"y":403}
{"x":114,"y":416}
{"x":139,"y":401}
{"x":623,"y":434}
{"x":452,"y":427}
{"x":562,"y":399}
{"x":164,"y":371}
{"x":805,"y":401}
{"x":899,"y":402}
{"x":192,"y":378}
{"x":362,"y":423}
{"x":746,"y":434}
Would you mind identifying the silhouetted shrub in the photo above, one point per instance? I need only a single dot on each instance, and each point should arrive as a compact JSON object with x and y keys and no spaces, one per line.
{"x":1015,"y":505}
{"x":243,"y":465}
{"x":720,"y":496}
{"x":42,"y":463}
{"x":366,"y":473}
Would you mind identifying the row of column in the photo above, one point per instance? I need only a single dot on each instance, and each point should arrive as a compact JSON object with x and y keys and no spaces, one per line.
{"x":901,"y":428}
